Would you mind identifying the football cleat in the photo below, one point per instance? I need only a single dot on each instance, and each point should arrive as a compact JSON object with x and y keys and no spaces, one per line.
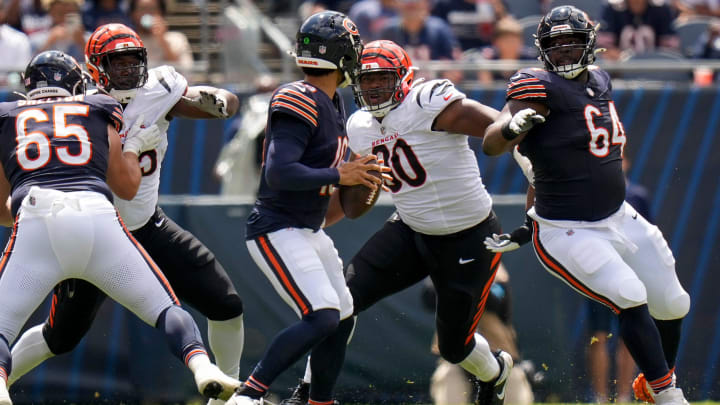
{"x":237,"y":399}
{"x":642,"y":389}
{"x":213,"y":383}
{"x":493,"y":392}
{"x":300,"y":395}
{"x":671,"y":396}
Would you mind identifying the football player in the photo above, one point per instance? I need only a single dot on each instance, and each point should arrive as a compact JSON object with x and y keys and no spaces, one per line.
{"x":303,"y":158}
{"x":117,"y":61}
{"x":564,"y":121}
{"x":421,"y":128}
{"x":61,"y":163}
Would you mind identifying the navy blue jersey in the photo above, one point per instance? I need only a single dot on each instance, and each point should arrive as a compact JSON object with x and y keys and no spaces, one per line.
{"x":577,"y":153}
{"x":59,"y":143}
{"x":305,"y":141}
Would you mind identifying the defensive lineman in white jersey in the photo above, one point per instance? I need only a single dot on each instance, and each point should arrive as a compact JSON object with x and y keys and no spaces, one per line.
{"x":116,"y":58}
{"x":443,"y":214}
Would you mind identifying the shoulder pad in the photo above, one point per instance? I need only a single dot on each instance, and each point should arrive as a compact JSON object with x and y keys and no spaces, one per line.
{"x":435,"y":95}
{"x":165,"y":77}
{"x":297,"y":100}
{"x":528,"y":85}
{"x":109,"y":105}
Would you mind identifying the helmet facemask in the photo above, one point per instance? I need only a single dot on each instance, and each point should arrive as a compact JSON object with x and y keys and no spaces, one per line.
{"x":379,"y":90}
{"x":569,"y":59}
{"x":126,"y":71}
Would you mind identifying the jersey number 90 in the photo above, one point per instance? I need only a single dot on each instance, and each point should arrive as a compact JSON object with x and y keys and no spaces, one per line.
{"x":34,"y":149}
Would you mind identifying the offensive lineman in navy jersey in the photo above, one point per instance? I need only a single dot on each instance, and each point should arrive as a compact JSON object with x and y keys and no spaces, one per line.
{"x":62,"y":159}
{"x":564,"y":120}
{"x":304,"y":157}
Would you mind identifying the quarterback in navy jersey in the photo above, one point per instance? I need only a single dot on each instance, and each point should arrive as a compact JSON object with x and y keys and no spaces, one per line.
{"x":303,"y":157}
{"x":564,"y":121}
{"x":62,"y":160}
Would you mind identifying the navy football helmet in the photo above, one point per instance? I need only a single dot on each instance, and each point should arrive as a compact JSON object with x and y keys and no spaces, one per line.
{"x":329,"y":40}
{"x":566,"y":21}
{"x":53,"y":74}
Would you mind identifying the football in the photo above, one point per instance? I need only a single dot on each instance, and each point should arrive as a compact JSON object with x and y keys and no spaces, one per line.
{"x":357,"y":200}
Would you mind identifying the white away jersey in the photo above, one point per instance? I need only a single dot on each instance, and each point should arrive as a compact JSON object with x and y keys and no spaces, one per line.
{"x":152,"y":102}
{"x":437,"y":188}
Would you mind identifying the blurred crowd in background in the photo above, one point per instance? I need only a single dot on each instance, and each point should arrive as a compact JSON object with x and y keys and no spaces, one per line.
{"x":431,"y":30}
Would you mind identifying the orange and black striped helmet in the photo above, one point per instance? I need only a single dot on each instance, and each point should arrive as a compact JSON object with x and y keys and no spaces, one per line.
{"x":385,"y":77}
{"x":110,"y":41}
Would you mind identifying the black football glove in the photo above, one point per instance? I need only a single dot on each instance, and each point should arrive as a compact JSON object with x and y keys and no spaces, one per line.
{"x":510,"y":241}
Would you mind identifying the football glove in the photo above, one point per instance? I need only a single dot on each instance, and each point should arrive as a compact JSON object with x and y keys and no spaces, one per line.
{"x":140,"y":139}
{"x":520,"y":123}
{"x":212,"y":103}
{"x":508,"y":242}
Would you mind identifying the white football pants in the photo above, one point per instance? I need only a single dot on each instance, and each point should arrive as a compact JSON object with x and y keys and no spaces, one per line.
{"x":304,"y":268}
{"x":621,"y":261}
{"x":61,"y":235}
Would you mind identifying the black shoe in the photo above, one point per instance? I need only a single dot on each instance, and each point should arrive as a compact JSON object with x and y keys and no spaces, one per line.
{"x":300,"y":395}
{"x":493,"y":392}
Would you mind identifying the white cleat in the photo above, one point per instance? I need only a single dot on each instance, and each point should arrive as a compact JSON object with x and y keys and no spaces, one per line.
{"x":4,"y":394}
{"x":243,"y":400}
{"x":213,"y":401}
{"x":671,"y":396}
{"x":213,"y":383}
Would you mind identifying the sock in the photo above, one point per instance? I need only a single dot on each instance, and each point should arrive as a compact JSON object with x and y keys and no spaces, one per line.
{"x":253,"y":388}
{"x":5,"y":359}
{"x":28,"y":352}
{"x":226,"y":339}
{"x":481,"y":362}
{"x":670,"y":335}
{"x":181,"y":333}
{"x":643,"y":341}
{"x":327,"y":359}
{"x":307,"y":377}
{"x":291,"y":344}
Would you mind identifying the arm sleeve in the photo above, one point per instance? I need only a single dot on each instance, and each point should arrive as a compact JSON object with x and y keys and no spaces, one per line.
{"x":283,"y":169}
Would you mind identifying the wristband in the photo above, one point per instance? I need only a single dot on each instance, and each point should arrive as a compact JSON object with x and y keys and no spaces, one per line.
{"x":507,"y":133}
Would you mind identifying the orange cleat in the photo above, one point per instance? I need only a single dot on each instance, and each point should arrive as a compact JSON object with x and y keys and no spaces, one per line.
{"x":642,"y":389}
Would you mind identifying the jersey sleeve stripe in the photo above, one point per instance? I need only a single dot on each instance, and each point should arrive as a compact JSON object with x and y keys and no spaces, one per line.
{"x":521,"y":81}
{"x":296,"y":110}
{"x":298,"y":94}
{"x":525,"y":88}
{"x":530,"y":95}
{"x":298,"y":103}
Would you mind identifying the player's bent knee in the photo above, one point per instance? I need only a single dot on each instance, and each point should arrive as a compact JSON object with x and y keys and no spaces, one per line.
{"x":229,"y":307}
{"x":676,"y":305}
{"x":60,"y":340}
{"x":323,"y":321}
{"x":631,"y":293}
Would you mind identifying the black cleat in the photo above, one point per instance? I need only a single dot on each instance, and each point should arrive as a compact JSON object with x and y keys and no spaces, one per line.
{"x":300,"y":395}
{"x":493,"y":392}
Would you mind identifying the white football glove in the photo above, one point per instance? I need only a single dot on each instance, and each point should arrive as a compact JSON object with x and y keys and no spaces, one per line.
{"x":500,"y":243}
{"x":521,"y":122}
{"x":139,"y":139}
{"x":508,"y":242}
{"x":525,"y":165}
{"x":211,"y":103}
